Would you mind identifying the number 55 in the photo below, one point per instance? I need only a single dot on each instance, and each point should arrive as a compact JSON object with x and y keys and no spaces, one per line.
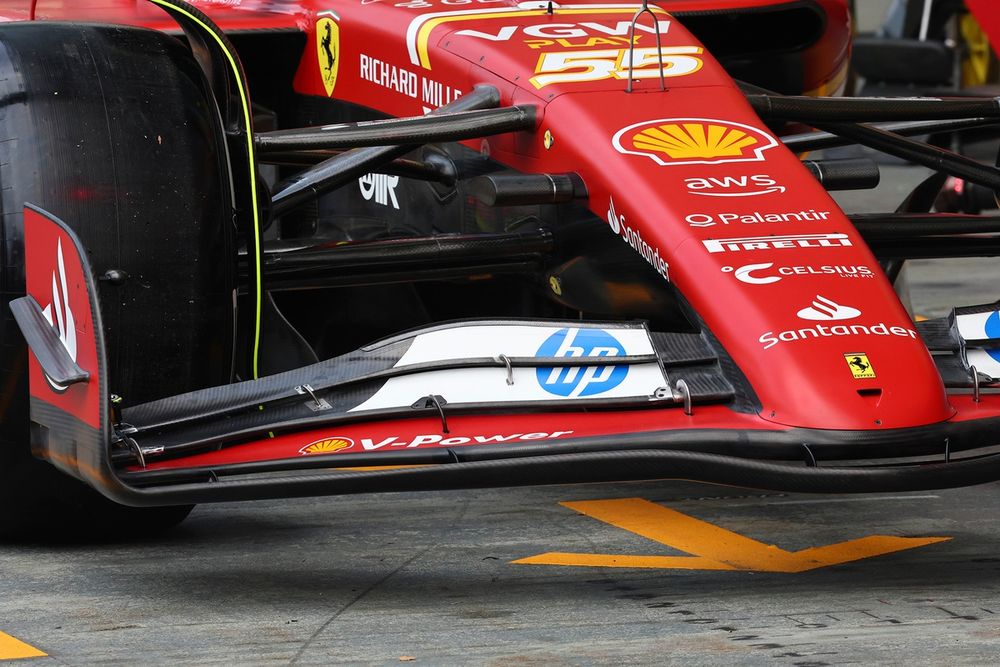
{"x":613,"y":63}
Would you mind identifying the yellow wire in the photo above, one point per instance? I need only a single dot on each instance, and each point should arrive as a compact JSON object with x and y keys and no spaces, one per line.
{"x":244,"y":100}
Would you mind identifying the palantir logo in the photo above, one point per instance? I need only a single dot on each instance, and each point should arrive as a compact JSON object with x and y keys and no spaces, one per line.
{"x":576,"y":381}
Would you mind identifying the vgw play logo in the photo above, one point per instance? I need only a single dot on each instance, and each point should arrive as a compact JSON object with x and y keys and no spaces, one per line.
{"x":577,"y":381}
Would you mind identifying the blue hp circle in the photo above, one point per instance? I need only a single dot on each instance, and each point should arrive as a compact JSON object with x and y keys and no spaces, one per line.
{"x":993,"y":331}
{"x":574,"y":381}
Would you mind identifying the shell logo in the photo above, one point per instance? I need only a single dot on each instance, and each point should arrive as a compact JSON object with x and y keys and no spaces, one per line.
{"x":670,"y":141}
{"x":327,"y":446}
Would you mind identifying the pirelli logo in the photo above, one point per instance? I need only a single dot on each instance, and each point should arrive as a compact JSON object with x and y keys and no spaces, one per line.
{"x":749,"y":243}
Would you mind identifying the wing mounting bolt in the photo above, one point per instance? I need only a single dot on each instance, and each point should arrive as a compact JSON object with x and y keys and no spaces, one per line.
{"x":434,"y":401}
{"x":317,"y":404}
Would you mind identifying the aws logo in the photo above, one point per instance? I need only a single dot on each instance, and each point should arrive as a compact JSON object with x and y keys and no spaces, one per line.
{"x":670,"y":141}
{"x":327,"y":446}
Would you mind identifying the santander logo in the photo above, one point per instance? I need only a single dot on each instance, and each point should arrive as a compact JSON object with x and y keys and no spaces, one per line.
{"x":59,"y":314}
{"x":825,"y":309}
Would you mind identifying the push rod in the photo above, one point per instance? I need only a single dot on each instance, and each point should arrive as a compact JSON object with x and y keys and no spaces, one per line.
{"x":454,"y":126}
{"x":870,"y":109}
{"x":938,"y":159}
{"x":814,"y":141}
{"x":416,"y":169}
{"x":341,"y":169}
{"x":907,"y":225}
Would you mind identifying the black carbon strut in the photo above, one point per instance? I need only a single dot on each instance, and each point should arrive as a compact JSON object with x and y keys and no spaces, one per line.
{"x":938,"y":159}
{"x":814,"y":141}
{"x":454,"y":126}
{"x":869,"y":109}
{"x":343,"y":168}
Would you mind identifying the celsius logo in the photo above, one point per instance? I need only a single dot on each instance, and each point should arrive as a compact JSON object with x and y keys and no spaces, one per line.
{"x":824,"y":309}
{"x":733,"y":186}
{"x":574,"y":381}
{"x":745,"y":274}
{"x":381,"y":187}
{"x":62,"y":319}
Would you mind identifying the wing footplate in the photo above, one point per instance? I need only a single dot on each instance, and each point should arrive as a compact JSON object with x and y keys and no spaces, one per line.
{"x":61,"y":323}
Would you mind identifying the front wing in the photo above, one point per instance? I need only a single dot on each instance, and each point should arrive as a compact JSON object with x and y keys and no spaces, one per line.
{"x":462,"y":405}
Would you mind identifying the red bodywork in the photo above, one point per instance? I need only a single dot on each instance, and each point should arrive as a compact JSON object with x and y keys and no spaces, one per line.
{"x":688,"y":176}
{"x":987,"y":13}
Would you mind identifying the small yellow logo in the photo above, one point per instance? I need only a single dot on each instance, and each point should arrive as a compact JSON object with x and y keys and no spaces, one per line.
{"x":670,"y":141}
{"x":327,"y":446}
{"x":694,"y":140}
{"x":860,"y":367}
{"x":328,"y":50}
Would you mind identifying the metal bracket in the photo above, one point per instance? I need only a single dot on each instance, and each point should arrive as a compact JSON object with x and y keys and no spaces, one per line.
{"x":318,"y":404}
{"x":136,"y":449}
{"x":681,"y":392}
{"x":810,"y":457}
{"x":505,"y":360}
{"x":631,"y":45}
{"x":434,"y":401}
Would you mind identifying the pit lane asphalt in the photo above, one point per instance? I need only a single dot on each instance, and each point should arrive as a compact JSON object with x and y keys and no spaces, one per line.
{"x":429,"y":578}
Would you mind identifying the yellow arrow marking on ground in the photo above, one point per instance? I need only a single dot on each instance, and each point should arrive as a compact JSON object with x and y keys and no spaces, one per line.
{"x":713,"y":548}
{"x":12,"y":649}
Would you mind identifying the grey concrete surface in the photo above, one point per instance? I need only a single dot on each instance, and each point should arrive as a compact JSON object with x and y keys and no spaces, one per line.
{"x":382,"y":578}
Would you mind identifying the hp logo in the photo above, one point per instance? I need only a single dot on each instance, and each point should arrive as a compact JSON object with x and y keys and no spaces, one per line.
{"x":992,"y":330}
{"x":574,"y":381}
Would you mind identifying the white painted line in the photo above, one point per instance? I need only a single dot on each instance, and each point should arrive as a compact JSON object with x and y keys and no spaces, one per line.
{"x":847,"y":500}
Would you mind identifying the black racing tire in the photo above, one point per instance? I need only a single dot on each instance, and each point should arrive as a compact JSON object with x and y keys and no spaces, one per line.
{"x":112,"y":129}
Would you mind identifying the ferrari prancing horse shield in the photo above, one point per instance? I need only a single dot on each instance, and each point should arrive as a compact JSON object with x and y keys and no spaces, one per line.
{"x":328,"y":50}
